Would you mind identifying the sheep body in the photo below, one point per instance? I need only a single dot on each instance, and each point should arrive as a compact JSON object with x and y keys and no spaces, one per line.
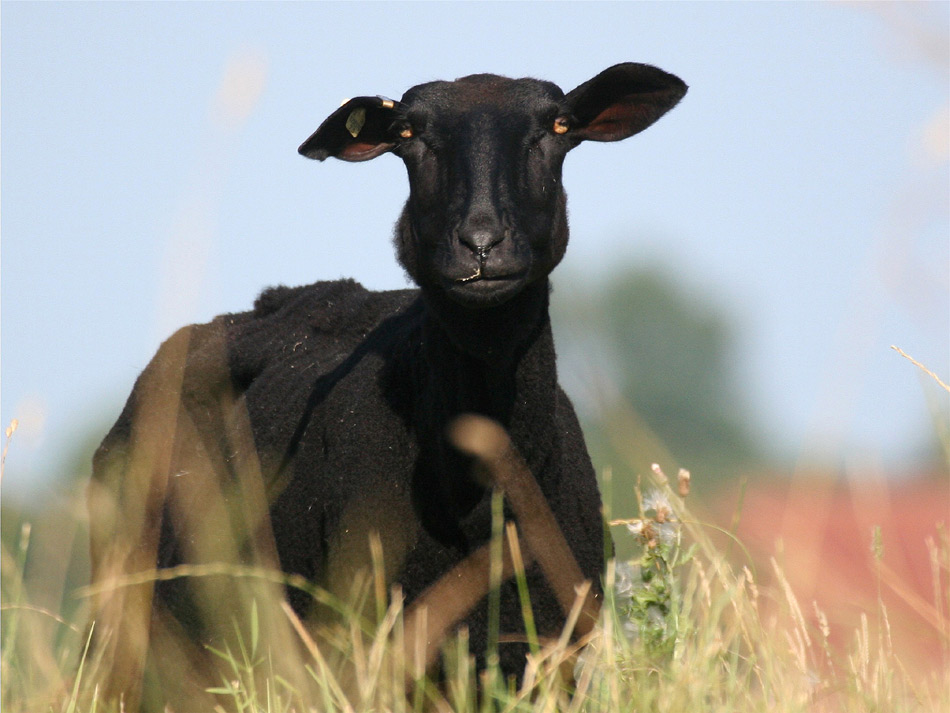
{"x":360,"y":387}
{"x":321,"y":416}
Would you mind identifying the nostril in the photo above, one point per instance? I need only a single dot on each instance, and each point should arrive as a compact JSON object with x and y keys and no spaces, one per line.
{"x":481,"y":241}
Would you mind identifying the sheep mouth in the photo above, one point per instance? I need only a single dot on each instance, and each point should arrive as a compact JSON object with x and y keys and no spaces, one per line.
{"x":483,"y":288}
{"x":484,"y":272}
{"x":481,"y":275}
{"x":477,"y":275}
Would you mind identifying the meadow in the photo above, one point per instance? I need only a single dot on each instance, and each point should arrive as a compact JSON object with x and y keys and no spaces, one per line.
{"x":690,"y":623}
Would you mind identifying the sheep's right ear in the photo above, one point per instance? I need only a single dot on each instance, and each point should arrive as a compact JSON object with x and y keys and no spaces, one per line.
{"x":357,"y":131}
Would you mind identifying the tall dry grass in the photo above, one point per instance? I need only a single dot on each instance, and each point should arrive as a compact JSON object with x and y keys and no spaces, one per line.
{"x":684,"y":627}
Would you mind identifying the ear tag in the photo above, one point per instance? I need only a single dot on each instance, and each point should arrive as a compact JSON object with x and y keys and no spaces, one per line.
{"x":387,"y":103}
{"x":355,"y":121}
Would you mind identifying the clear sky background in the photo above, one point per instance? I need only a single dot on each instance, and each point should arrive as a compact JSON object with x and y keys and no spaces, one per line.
{"x":150,"y":179}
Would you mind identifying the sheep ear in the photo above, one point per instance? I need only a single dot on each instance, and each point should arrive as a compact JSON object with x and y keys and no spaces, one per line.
{"x":357,"y":131}
{"x":622,"y":101}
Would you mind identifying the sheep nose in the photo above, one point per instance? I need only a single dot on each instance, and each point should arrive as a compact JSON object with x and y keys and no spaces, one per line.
{"x":481,"y":241}
{"x":480,"y":231}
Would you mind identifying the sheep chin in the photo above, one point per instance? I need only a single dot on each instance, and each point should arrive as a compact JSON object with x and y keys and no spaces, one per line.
{"x":485,"y":291}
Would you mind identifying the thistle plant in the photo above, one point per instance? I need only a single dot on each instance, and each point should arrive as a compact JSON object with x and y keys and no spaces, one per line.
{"x":647,"y":595}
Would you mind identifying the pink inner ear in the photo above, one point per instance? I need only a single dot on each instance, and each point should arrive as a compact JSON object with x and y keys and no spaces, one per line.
{"x":357,"y":148}
{"x":618,"y":121}
{"x":362,"y":150}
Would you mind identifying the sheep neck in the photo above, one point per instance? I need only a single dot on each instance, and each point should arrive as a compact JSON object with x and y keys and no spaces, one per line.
{"x":496,"y":361}
{"x":496,"y":336}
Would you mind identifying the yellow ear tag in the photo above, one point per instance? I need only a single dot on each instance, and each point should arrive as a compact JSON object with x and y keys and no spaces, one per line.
{"x":355,"y":121}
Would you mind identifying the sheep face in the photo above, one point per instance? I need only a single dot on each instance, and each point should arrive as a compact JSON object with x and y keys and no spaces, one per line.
{"x":486,"y":210}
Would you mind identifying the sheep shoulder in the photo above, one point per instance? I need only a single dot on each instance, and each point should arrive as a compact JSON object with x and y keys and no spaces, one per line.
{"x":291,"y":331}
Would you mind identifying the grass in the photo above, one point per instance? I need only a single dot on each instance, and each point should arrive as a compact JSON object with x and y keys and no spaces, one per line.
{"x":685,"y":627}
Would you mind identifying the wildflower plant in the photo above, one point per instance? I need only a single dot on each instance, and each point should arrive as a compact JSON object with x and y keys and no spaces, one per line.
{"x":647,"y":595}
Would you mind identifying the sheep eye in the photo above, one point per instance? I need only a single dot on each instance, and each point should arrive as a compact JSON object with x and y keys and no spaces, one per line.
{"x":561,"y":125}
{"x":405,"y":132}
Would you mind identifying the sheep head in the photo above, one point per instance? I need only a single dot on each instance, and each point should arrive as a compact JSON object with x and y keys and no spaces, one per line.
{"x":486,"y":214}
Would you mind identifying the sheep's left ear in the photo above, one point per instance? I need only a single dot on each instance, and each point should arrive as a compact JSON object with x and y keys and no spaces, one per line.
{"x":359,"y":130}
{"x":622,"y":101}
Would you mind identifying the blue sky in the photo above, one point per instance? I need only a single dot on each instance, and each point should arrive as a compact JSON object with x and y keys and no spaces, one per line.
{"x":150,"y":179}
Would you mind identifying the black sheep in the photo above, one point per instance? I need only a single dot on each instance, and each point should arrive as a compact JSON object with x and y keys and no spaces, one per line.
{"x":340,"y":398}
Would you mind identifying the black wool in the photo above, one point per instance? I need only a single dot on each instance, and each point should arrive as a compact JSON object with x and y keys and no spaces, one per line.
{"x":292,"y":434}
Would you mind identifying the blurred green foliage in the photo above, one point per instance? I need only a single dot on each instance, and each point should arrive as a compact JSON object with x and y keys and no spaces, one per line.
{"x":649,"y":364}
